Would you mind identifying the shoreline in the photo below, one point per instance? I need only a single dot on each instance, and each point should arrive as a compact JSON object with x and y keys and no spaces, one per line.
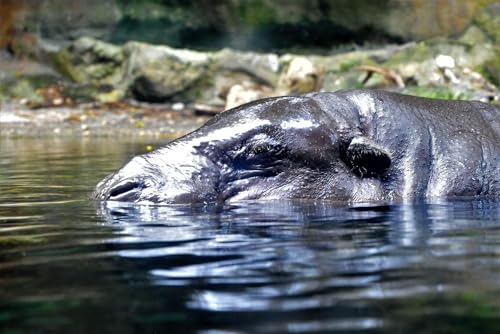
{"x":124,"y":119}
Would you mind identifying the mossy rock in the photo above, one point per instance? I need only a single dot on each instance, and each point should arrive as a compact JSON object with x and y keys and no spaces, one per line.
{"x":414,"y":53}
{"x":88,"y":60}
{"x":490,"y":69}
{"x":4,"y":92}
{"x":488,"y":20}
{"x":347,"y":80}
{"x":474,"y":36}
{"x":26,"y":87}
{"x":157,"y":73}
{"x":160,"y":80}
{"x":63,"y":63}
{"x":344,"y":62}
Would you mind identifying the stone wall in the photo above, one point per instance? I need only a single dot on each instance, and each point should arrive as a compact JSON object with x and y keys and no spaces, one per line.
{"x":253,"y":24}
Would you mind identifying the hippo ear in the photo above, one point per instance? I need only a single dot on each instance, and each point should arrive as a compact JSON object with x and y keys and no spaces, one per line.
{"x":366,"y":158}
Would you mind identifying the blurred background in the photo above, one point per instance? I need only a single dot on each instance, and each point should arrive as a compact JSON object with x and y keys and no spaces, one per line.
{"x":212,"y":55}
{"x":248,"y":25}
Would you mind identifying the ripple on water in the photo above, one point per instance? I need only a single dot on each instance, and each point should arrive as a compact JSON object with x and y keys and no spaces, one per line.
{"x":68,"y":264}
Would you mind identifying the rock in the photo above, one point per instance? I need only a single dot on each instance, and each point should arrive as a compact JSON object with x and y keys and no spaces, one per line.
{"x":157,"y":73}
{"x":490,"y":69}
{"x":473,"y":36}
{"x":223,"y":81}
{"x":446,"y":64}
{"x":268,"y":24}
{"x":338,"y":68}
{"x":26,"y":84}
{"x":419,"y":20}
{"x":444,"y":61}
{"x":417,"y":62}
{"x":250,"y":25}
{"x":448,"y":75}
{"x":230,"y":67}
{"x":147,"y":72}
{"x":302,"y":76}
{"x":488,"y":20}
{"x":112,"y":96}
{"x":24,"y":89}
{"x":263,"y":67}
{"x":88,"y":60}
{"x":246,"y":92}
{"x":62,"y":20}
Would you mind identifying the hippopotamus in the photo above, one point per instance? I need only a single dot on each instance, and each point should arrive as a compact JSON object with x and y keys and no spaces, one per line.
{"x":354,"y":146}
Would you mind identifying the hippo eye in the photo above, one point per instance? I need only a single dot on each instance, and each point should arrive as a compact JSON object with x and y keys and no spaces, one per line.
{"x":258,"y":153}
{"x":266,"y":150}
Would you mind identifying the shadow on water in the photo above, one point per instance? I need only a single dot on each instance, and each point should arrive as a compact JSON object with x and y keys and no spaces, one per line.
{"x":68,"y":265}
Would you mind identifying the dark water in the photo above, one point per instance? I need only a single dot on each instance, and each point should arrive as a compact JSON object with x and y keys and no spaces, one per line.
{"x":70,"y":266}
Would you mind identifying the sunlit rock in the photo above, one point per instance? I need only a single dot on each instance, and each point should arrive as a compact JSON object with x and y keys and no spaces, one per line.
{"x":445,"y":61}
{"x":246,"y":92}
{"x":301,"y":76}
{"x":263,"y":67}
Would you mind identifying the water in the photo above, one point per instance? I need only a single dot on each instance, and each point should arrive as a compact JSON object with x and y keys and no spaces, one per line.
{"x":68,"y":265}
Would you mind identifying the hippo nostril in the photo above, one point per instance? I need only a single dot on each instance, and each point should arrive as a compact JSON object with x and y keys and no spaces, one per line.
{"x":125,"y":190}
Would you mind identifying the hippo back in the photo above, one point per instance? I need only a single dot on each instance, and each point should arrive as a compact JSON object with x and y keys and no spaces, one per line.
{"x":438,"y":147}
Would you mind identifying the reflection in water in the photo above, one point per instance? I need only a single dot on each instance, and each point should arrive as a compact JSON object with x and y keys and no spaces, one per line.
{"x":68,"y":265}
{"x":306,"y":256}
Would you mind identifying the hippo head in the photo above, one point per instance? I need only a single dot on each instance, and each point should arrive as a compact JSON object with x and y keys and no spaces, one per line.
{"x":279,"y":148}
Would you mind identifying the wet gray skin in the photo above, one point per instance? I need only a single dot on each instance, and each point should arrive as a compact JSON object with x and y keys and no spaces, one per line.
{"x":355,"y":145}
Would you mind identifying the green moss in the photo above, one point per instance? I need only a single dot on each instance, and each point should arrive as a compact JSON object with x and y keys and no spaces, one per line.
{"x":26,"y":87}
{"x":488,"y":20}
{"x":348,"y":64}
{"x":435,"y":93}
{"x":473,"y":36}
{"x":63,"y":63}
{"x":91,"y":92}
{"x":88,"y":60}
{"x":111,"y":96}
{"x":98,"y":51}
{"x":101,"y":72}
{"x":255,"y":13}
{"x":491,"y":69}
{"x":4,"y":92}
{"x":22,"y":88}
{"x":343,"y":62}
{"x":418,"y":53}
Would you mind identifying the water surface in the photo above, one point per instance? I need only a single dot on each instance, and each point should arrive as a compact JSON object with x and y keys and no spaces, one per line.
{"x":69,"y":265}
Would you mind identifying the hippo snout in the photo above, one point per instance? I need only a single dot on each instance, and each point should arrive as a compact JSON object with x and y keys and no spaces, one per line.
{"x":123,"y":188}
{"x":128,"y":184}
{"x":127,"y":191}
{"x":118,"y":188}
{"x":153,"y":179}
